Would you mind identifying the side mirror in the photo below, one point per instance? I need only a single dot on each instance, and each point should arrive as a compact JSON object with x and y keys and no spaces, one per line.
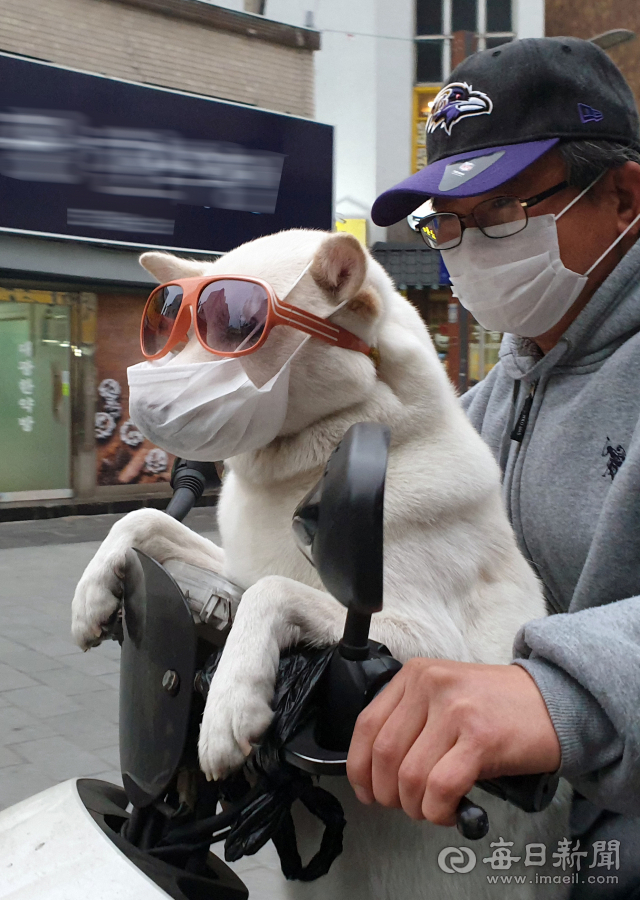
{"x":339,"y":524}
{"x":339,"y":528}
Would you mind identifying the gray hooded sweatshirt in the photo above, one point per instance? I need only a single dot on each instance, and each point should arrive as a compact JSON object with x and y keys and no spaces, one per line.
{"x":572,"y":491}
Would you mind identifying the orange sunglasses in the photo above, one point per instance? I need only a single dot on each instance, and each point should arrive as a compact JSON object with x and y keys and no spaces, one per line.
{"x":232,"y":315}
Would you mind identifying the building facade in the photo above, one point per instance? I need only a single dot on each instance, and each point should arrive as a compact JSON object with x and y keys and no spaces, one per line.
{"x":71,"y":289}
{"x":380,"y":66}
{"x":190,"y":45}
{"x":587,"y":20}
{"x":374,"y":53}
{"x":379,"y":69}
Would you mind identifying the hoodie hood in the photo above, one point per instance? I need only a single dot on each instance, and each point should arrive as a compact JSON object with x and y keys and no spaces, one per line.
{"x":607,"y":321}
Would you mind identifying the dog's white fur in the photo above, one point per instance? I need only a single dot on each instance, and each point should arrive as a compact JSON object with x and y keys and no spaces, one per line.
{"x":456,"y":586}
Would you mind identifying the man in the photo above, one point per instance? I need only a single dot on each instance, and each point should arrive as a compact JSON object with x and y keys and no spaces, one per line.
{"x":534,"y":179}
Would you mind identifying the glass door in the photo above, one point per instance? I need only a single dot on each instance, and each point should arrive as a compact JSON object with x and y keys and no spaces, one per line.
{"x":35,"y":414}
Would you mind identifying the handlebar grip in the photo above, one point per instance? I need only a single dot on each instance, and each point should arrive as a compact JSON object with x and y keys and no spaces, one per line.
{"x":471,"y":820}
{"x":531,"y":793}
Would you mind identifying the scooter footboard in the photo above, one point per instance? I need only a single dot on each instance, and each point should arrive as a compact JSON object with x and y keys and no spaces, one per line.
{"x":65,"y":842}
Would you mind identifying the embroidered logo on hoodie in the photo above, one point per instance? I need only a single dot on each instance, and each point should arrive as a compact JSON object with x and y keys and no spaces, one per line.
{"x":617,"y":456}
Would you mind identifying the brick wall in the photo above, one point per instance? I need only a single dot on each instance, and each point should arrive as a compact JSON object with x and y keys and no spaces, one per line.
{"x":577,"y":18}
{"x":134,"y":40}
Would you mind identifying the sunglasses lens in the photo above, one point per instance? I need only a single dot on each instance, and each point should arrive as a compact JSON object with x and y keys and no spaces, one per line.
{"x":159,"y":317}
{"x":232,"y":315}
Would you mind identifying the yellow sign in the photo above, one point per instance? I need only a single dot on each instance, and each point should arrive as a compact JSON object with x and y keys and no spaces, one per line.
{"x":18,"y":295}
{"x":356,"y":227}
{"x":423,"y":98}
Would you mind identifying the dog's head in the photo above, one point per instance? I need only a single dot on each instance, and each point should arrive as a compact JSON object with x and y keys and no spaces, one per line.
{"x":324,"y":379}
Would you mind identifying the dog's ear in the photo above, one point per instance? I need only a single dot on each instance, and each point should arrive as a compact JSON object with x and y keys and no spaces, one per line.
{"x":339,"y":266}
{"x":166,"y":267}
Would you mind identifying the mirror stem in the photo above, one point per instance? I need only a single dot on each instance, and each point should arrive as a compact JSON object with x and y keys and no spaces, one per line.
{"x":355,"y":640}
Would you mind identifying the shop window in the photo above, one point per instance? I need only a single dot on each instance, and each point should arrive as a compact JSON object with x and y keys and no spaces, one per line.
{"x":124,"y":455}
{"x":491,"y":21}
{"x":484,"y":347}
{"x":423,"y":97}
{"x":429,"y":60}
{"x":497,"y":42}
{"x":434,"y":306}
{"x":464,"y":15}
{"x":467,"y":351}
{"x":498,"y":15}
{"x":428,"y":17}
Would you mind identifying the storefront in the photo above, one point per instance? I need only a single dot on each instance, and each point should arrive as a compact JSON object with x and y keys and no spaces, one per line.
{"x":93,"y":171}
{"x":465,"y":348}
{"x":66,"y":340}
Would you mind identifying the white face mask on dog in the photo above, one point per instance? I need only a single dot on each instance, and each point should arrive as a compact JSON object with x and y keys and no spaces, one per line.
{"x":209,"y":410}
{"x":518,"y":284}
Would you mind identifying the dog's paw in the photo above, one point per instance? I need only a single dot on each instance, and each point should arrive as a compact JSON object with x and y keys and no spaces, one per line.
{"x":235,"y":718}
{"x":96,"y":599}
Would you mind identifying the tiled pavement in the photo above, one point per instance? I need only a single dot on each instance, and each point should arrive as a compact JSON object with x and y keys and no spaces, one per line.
{"x":58,"y":706}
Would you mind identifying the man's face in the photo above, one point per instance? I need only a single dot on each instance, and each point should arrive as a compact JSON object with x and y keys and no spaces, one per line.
{"x":584,"y":232}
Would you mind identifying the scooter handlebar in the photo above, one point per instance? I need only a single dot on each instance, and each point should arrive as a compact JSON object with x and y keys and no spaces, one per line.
{"x":530,"y":793}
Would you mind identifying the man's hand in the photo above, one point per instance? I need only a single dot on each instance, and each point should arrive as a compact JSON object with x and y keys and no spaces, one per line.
{"x":439,"y":726}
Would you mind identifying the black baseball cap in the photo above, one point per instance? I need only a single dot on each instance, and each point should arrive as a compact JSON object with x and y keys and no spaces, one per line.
{"x":504,"y":108}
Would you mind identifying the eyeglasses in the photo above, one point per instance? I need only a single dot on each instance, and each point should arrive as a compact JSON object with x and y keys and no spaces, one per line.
{"x":232,"y":316}
{"x":497,"y":217}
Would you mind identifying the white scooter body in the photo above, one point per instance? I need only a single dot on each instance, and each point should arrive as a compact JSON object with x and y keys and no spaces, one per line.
{"x":53,"y":849}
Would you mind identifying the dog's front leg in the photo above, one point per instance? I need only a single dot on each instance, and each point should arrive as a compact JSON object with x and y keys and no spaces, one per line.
{"x":99,"y":591}
{"x":274,"y":614}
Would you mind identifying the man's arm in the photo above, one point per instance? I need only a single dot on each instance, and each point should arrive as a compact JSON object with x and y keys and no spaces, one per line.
{"x":587,"y":667}
{"x":439,"y":726}
{"x":584,"y":689}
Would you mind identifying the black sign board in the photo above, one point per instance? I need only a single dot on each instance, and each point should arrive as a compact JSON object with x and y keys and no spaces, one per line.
{"x":103,"y":159}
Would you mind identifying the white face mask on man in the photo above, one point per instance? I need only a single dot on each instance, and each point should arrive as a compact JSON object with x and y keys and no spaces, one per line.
{"x":518,"y":284}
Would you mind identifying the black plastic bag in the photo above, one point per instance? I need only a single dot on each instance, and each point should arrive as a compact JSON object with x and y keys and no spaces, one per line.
{"x":265,"y":813}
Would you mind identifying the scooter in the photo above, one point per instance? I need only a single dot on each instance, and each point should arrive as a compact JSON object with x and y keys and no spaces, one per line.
{"x":152,"y":838}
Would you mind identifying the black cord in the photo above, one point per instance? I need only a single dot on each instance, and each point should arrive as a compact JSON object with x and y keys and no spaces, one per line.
{"x":188,"y":848}
{"x":205,"y":827}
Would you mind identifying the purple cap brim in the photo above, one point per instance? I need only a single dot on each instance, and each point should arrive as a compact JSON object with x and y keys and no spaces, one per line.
{"x":506,"y":162}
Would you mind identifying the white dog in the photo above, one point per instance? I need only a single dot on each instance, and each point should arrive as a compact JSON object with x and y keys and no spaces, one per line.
{"x":455,"y":584}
